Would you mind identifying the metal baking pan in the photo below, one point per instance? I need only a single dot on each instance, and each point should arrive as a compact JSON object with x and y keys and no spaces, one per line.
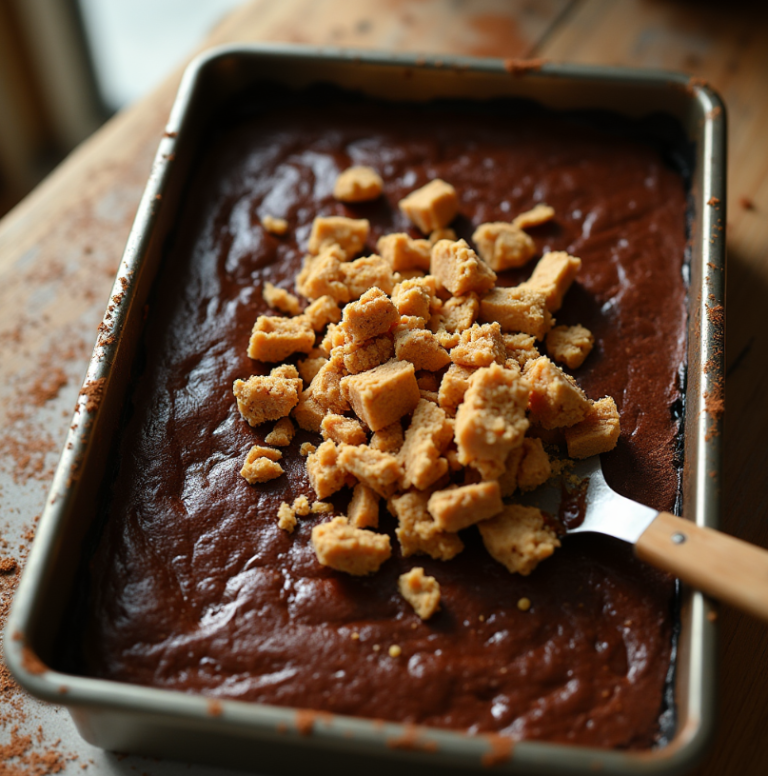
{"x":270,"y":739}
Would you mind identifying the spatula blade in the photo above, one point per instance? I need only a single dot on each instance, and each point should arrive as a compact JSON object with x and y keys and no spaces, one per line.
{"x":583,"y":492}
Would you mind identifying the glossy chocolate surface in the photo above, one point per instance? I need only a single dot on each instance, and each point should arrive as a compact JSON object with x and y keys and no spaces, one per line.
{"x":193,"y":586}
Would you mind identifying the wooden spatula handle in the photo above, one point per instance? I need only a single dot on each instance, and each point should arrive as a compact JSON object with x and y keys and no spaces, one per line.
{"x":717,"y":564}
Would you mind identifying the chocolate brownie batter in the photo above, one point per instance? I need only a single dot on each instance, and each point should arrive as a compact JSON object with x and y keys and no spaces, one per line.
{"x":193,"y":586}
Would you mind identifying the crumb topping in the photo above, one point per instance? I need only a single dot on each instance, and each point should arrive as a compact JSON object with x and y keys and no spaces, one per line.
{"x":278,"y":226}
{"x":353,"y":550}
{"x":431,"y":207}
{"x":421,"y":592}
{"x":349,"y":234}
{"x":358,"y":184}
{"x":570,"y":345}
{"x":426,"y":382}
{"x":280,"y":299}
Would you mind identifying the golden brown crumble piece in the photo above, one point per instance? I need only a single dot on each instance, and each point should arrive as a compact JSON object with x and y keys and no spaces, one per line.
{"x":261,"y":465}
{"x":309,"y":413}
{"x":453,"y":386}
{"x":480,"y":346}
{"x":343,"y":547}
{"x":322,"y":275}
{"x":368,"y":272}
{"x":420,"y":347}
{"x":268,"y":397}
{"x":286,"y":517}
{"x":325,"y":474}
{"x":518,"y":538}
{"x":372,"y":314}
{"x":416,"y":297}
{"x":508,"y":478}
{"x":597,"y":433}
{"x":282,"y":434}
{"x":363,"y":510}
{"x":420,"y":591}
{"x":321,"y":508}
{"x":408,"y":274}
{"x":285,"y":371}
{"x":403,"y":253}
{"x":417,"y":531}
{"x":430,"y":396}
{"x":484,"y":470}
{"x":358,"y":184}
{"x":459,"y":269}
{"x":307,"y":448}
{"x":321,"y":312}
{"x":301,"y":506}
{"x":427,"y":381}
{"x":361,"y":356}
{"x":570,"y":345}
{"x":388,"y":439}
{"x":309,"y":367}
{"x":281,"y":299}
{"x":258,"y":451}
{"x":326,"y":387}
{"x":349,"y":234}
{"x":537,"y":216}
{"x":278,"y":226}
{"x":456,"y":315}
{"x":517,"y":309}
{"x":553,"y":276}
{"x":534,"y":468}
{"x":426,"y":439}
{"x":383,"y":394}
{"x":521,"y":347}
{"x":457,"y":508}
{"x":275,"y":338}
{"x":343,"y":430}
{"x":555,"y":400}
{"x":492,"y":421}
{"x":334,"y":337}
{"x":431,"y":207}
{"x":381,"y":472}
{"x":441,"y":234}
{"x":452,"y":457}
{"x":503,"y":245}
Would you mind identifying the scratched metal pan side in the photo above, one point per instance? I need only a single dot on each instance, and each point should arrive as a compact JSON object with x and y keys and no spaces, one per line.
{"x":259,"y":737}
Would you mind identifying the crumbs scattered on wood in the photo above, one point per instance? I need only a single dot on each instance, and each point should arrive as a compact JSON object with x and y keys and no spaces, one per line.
{"x":7,"y":565}
{"x":746,"y":203}
{"x":523,"y":66}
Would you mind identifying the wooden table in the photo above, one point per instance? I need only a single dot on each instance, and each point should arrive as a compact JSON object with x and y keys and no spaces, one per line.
{"x":59,"y":250}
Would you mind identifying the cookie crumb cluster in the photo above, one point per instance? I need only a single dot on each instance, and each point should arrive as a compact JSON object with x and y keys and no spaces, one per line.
{"x":427,"y":383}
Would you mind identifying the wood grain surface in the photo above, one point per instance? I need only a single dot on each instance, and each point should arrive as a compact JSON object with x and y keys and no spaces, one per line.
{"x":60,"y":247}
{"x":724,"y":567}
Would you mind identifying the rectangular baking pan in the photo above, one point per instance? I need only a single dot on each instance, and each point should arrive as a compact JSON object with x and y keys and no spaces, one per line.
{"x":267,"y":739}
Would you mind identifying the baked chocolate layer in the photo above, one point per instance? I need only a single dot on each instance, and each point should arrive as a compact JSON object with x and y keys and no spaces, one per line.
{"x":193,"y":586}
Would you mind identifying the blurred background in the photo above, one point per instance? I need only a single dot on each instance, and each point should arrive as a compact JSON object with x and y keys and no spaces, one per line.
{"x":67,"y":65}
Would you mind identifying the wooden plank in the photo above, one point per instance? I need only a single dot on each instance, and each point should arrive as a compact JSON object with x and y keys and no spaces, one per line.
{"x":730,"y":51}
{"x":506,"y":28}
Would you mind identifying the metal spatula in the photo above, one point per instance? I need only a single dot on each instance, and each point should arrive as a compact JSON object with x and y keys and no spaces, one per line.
{"x":717,"y":564}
